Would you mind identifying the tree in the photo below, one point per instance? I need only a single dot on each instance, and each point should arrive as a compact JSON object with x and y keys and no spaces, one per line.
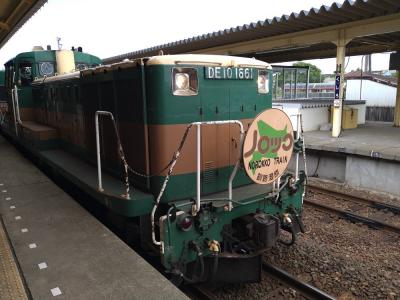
{"x":315,"y":72}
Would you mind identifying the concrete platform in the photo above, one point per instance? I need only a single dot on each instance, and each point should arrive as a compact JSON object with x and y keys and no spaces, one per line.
{"x":62,"y":250}
{"x":374,"y":139}
{"x":366,"y":157}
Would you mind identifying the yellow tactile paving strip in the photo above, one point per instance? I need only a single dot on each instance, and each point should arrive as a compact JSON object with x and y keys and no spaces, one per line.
{"x":11,"y":286}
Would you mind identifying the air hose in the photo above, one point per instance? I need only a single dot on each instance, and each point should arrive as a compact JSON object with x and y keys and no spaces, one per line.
{"x":215,"y":266}
{"x":200,"y":258}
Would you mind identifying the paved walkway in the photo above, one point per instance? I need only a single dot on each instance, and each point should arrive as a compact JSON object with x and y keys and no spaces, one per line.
{"x":63,"y":251}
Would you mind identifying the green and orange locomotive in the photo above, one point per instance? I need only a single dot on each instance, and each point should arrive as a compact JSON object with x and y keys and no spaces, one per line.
{"x":186,"y":148}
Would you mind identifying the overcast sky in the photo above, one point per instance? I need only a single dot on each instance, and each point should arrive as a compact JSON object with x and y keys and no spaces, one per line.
{"x":108,"y":28}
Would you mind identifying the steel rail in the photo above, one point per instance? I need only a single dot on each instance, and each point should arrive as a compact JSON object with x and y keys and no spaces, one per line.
{"x":304,"y":288}
{"x":198,"y":292}
{"x":373,"y":203}
{"x":354,"y":217}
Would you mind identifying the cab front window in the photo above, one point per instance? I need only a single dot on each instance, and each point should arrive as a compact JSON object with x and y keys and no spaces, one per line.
{"x":46,"y":68}
{"x":25,"y":73}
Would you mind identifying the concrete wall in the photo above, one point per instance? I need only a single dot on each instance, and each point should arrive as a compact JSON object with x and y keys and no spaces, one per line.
{"x":380,"y":175}
{"x":361,"y":112}
{"x":357,"y":171}
{"x":315,"y":115}
{"x":324,"y":165}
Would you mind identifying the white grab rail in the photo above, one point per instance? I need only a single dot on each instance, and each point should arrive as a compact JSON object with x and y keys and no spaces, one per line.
{"x":15,"y":104}
{"x":198,"y":159}
{"x":99,"y":176}
{"x":196,"y":207}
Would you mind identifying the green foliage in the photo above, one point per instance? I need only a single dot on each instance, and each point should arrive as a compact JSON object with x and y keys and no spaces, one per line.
{"x":315,"y":72}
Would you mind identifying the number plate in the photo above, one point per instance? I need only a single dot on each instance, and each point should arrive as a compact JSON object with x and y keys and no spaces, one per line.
{"x":228,"y":73}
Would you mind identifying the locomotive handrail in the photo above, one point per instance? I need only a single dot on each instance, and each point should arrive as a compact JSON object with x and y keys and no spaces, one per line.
{"x":198,"y":177}
{"x":99,"y":177}
{"x":198,"y":159}
{"x":16,"y":99}
{"x":298,"y":137}
{"x":15,"y":103}
{"x":120,"y":150}
{"x":15,"y":118}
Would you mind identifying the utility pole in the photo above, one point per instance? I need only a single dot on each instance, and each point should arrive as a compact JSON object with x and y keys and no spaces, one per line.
{"x":394,"y":64}
{"x":367,"y":64}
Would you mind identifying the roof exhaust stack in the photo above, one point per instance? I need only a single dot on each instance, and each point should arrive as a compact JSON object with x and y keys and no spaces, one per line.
{"x":65,"y":61}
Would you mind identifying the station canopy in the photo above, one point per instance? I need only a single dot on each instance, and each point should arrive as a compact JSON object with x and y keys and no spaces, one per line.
{"x":14,"y":14}
{"x":369,"y":26}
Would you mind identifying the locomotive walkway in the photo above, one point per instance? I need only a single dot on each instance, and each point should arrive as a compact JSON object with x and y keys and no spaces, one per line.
{"x":60,"y":249}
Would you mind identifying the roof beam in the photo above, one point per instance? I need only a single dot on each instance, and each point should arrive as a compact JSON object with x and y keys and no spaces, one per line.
{"x":16,"y":13}
{"x":372,"y":41}
{"x":381,"y":6}
{"x":368,"y":27}
{"x":392,"y":2}
{"x":323,"y":53}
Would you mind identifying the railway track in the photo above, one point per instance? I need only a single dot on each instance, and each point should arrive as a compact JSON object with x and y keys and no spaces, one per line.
{"x":373,"y":223}
{"x":307,"y":290}
{"x":199,"y":293}
{"x":357,"y":199}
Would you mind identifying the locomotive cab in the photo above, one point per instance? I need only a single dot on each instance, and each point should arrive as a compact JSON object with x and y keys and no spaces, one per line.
{"x":27,"y":118}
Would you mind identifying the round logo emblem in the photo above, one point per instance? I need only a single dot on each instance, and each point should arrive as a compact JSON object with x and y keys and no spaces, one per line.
{"x":268,"y":146}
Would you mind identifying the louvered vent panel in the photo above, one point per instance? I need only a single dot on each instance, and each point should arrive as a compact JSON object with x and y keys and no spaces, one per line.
{"x":209,"y":173}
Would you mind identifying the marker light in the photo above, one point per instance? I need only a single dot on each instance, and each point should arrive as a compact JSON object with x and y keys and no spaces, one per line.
{"x":184,"y":81}
{"x":263,"y":82}
{"x":185,"y":222}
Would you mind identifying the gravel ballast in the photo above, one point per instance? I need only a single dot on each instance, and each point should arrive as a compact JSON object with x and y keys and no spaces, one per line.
{"x":346,"y":260}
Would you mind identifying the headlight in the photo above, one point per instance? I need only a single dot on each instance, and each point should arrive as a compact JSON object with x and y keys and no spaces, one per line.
{"x":184,"y":81}
{"x":263,"y":82}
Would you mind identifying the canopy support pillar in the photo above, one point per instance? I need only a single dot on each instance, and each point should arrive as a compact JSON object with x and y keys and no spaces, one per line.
{"x":341,"y":43}
{"x":397,"y":106}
